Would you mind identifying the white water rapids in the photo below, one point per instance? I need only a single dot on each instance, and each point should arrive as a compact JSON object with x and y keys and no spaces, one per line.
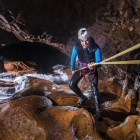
{"x":21,"y":82}
{"x":58,"y":77}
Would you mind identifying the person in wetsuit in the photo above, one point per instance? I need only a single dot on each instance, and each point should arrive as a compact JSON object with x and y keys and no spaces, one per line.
{"x":88,"y":52}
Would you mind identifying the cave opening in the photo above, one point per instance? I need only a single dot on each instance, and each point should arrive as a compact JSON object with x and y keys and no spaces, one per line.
{"x":43,"y":55}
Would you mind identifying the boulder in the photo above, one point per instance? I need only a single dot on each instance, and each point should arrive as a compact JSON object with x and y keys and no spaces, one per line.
{"x":67,"y":99}
{"x":17,"y":67}
{"x":10,"y":66}
{"x":63,"y":87}
{"x":129,"y":129}
{"x":41,"y":84}
{"x":123,"y":103}
{"x":110,"y":87}
{"x":34,"y":117}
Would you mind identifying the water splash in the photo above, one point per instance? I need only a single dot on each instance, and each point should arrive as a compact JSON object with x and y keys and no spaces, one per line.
{"x":22,"y":81}
{"x":137,"y":83}
{"x":124,"y":84}
{"x":6,"y":92}
{"x":7,"y":77}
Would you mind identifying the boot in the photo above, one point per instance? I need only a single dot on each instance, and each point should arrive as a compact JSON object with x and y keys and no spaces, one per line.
{"x":98,"y":115}
{"x":96,"y":101}
{"x":97,"y":105}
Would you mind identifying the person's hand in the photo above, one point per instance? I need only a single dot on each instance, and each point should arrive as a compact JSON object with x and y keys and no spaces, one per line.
{"x":73,"y":71}
{"x":90,"y":66}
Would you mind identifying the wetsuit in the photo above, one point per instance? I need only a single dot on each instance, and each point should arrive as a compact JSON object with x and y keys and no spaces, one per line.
{"x":88,"y":55}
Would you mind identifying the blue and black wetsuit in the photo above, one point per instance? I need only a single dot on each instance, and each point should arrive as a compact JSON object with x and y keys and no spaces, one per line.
{"x":88,"y":55}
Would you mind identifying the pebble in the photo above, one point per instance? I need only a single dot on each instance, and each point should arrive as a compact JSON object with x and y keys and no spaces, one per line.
{"x":131,"y":29}
{"x":137,"y":20}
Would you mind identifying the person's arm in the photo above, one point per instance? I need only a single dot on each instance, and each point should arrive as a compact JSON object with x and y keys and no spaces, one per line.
{"x":73,"y":56}
{"x":98,"y":57}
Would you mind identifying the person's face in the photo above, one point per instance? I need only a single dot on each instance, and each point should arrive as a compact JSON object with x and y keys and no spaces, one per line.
{"x":85,"y":42}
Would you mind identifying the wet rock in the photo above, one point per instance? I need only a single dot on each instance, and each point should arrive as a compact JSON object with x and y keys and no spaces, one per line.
{"x":110,"y":87}
{"x":102,"y":126}
{"x":129,"y":129}
{"x":114,"y":114}
{"x":126,"y":104}
{"x":28,"y":92}
{"x":41,"y":84}
{"x":64,"y":99}
{"x":63,"y":87}
{"x":17,"y":67}
{"x":9,"y":66}
{"x":22,"y":118}
{"x":6,"y":83}
{"x":36,"y":86}
{"x":34,"y":118}
{"x":67,"y":99}
{"x":123,"y":103}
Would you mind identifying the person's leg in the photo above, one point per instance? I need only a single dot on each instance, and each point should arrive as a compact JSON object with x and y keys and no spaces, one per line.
{"x":93,"y":84}
{"x":96,"y":96}
{"x":73,"y":83}
{"x":73,"y":86}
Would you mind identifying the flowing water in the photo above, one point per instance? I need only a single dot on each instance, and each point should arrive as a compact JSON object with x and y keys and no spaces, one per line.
{"x":22,"y":81}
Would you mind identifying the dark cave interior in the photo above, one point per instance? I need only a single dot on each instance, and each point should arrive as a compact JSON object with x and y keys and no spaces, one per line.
{"x":43,"y":55}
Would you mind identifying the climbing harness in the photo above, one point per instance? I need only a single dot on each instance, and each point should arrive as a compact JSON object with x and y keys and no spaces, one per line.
{"x":84,"y":73}
{"x":117,"y":55}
